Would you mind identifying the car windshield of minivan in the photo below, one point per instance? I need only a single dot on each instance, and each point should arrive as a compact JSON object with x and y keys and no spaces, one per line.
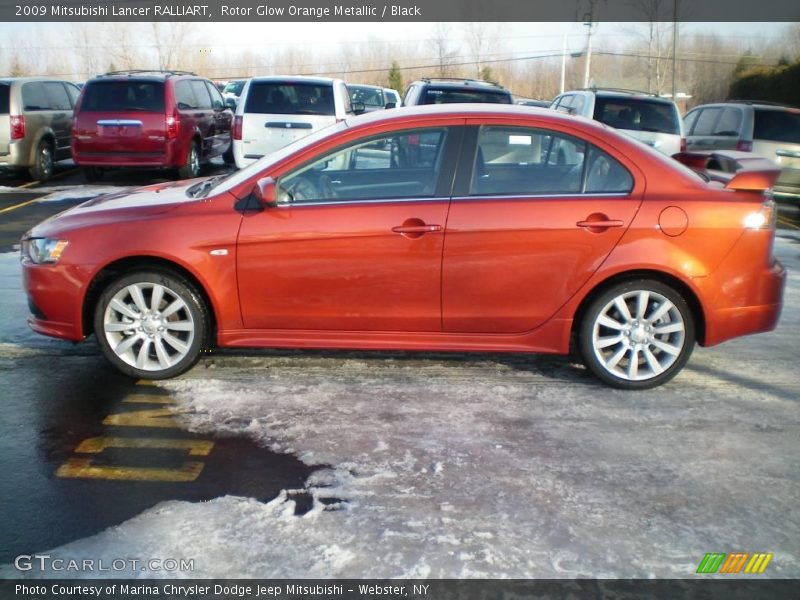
{"x":637,"y":114}
{"x":433,"y":96}
{"x":110,"y":96}
{"x":777,"y":126}
{"x":290,"y":98}
{"x":4,"y":98}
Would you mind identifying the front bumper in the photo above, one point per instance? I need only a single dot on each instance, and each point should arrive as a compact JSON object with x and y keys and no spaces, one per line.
{"x":55,"y":299}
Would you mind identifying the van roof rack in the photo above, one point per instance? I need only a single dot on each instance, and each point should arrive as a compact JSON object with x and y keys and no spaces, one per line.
{"x":464,"y":80}
{"x":622,"y":90}
{"x":165,"y":72}
{"x":764,"y":102}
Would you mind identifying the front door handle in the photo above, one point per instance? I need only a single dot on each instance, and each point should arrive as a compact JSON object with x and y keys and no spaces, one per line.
{"x":414,"y":228}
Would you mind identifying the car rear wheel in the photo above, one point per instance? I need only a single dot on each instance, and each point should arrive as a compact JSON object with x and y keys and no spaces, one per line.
{"x":42,"y":168}
{"x":151,"y":324}
{"x":192,"y":167}
{"x":637,"y":334}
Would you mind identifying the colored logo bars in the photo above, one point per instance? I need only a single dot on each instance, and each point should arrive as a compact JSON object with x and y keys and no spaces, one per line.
{"x":719,"y":562}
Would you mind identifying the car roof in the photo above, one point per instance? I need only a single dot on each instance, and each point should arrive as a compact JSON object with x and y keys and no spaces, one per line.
{"x":10,"y":80}
{"x":294,"y":79}
{"x":763,"y":104}
{"x":454,"y":83}
{"x":622,"y":93}
{"x":142,"y":75}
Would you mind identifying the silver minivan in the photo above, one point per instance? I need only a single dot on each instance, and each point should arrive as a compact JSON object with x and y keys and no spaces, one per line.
{"x":275,"y":111}
{"x":651,"y":119}
{"x":35,"y":123}
{"x":768,"y":130}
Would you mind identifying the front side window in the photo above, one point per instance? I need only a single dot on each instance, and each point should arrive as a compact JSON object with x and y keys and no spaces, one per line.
{"x":57,"y":98}
{"x":704,"y":125}
{"x":392,"y":166}
{"x":526,"y":161}
{"x":201,"y":94}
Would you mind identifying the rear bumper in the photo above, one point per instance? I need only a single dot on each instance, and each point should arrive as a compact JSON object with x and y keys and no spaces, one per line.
{"x":18,"y":155}
{"x":168,"y":157}
{"x":757,"y":299}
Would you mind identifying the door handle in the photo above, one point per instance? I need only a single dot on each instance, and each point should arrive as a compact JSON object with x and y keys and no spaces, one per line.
{"x":415,"y":228}
{"x":601,"y":223}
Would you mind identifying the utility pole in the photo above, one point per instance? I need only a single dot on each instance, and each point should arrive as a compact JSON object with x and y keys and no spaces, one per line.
{"x":674,"y":45}
{"x":587,"y":70}
{"x":563,"y":64}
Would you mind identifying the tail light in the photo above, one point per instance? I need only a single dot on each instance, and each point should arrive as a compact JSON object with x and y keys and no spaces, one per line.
{"x":237,"y":127}
{"x":17,"y":127}
{"x":683,"y":144}
{"x":173,"y":123}
{"x":764,"y":218}
{"x":744,"y":146}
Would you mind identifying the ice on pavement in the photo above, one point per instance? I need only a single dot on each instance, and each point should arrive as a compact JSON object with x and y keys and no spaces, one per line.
{"x":491,"y":466}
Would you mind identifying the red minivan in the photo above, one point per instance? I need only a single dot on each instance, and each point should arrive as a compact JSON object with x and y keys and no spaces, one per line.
{"x":150,"y":119}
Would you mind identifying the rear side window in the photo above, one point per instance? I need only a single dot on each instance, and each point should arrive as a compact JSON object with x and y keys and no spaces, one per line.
{"x":4,"y":98}
{"x":290,"y":98}
{"x":114,"y":96}
{"x":525,"y":161}
{"x":637,"y":114}
{"x":33,"y":97}
{"x":201,"y":94}
{"x":777,"y":126}
{"x":454,"y":96}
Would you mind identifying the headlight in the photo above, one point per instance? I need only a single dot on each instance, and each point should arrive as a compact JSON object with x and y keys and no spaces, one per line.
{"x":43,"y":250}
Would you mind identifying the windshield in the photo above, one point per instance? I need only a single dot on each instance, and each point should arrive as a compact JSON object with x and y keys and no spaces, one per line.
{"x":368,"y":95}
{"x":637,"y":114}
{"x":111,"y":96}
{"x":290,"y":98}
{"x":4,"y":93}
{"x":263,"y":164}
{"x":777,"y":125}
{"x":455,"y":96}
{"x":234,"y":87}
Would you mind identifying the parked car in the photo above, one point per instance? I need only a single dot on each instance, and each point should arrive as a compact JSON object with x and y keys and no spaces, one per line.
{"x":648,"y":118}
{"x":354,"y":237}
{"x":232,"y":91}
{"x":449,"y":91}
{"x":768,"y":130}
{"x":392,"y":96}
{"x":371,"y":96}
{"x":35,"y":123}
{"x":152,"y":119}
{"x":275,"y":111}
{"x":532,"y":102}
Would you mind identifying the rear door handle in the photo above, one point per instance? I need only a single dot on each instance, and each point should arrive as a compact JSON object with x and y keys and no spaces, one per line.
{"x":416,"y":228}
{"x":601,"y":223}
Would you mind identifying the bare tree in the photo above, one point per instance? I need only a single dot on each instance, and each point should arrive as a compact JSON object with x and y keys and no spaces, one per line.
{"x":482,"y":40}
{"x":444,"y":53}
{"x":169,"y":42}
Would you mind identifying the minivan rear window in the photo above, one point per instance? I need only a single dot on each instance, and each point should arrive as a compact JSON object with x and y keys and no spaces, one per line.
{"x":290,"y":98}
{"x":455,"y":96}
{"x":637,"y":114}
{"x":777,"y":126}
{"x":115,"y":96}
{"x":4,"y":96}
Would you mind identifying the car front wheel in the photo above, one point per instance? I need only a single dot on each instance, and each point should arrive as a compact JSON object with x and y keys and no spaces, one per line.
{"x":151,"y":324}
{"x":637,"y":334}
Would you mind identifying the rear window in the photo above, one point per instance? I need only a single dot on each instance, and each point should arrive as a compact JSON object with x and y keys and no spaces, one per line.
{"x":118,"y":96}
{"x":637,"y":114}
{"x":4,"y":94}
{"x":777,"y":126}
{"x":289,"y":98}
{"x":454,"y":96}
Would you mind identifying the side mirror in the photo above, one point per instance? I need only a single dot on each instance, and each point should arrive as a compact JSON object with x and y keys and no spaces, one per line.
{"x":391,"y":105}
{"x":266,"y":193}
{"x":230,"y":103}
{"x":358,"y":107}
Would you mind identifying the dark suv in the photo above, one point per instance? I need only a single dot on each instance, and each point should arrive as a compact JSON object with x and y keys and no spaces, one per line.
{"x":450,"y":91}
{"x":152,"y":119}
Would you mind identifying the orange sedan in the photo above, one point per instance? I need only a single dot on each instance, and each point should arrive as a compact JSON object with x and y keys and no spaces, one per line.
{"x":460,"y":227}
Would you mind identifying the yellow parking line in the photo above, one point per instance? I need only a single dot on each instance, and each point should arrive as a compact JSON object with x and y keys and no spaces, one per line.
{"x":82,"y":468}
{"x":147,"y":399}
{"x":98,"y":444}
{"x":52,"y":177}
{"x":20,"y":205}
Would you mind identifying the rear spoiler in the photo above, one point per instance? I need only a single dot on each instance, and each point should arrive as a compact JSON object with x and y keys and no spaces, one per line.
{"x":740,"y":171}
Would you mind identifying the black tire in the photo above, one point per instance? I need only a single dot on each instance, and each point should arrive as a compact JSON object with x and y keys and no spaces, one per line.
{"x":227,"y":156}
{"x":660,"y":343}
{"x":92,"y":174}
{"x":191,"y":169}
{"x":42,"y":168}
{"x":153,"y":343}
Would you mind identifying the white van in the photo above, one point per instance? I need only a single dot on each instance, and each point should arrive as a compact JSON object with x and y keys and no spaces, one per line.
{"x":275,"y":111}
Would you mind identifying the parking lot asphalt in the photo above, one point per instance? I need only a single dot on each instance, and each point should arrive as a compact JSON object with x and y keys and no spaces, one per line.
{"x":577,"y":469}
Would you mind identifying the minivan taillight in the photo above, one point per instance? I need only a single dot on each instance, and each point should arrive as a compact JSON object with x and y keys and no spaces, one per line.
{"x":17,"y":127}
{"x":173,"y":123}
{"x":237,"y":127}
{"x":683,"y":144}
{"x":744,"y":146}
